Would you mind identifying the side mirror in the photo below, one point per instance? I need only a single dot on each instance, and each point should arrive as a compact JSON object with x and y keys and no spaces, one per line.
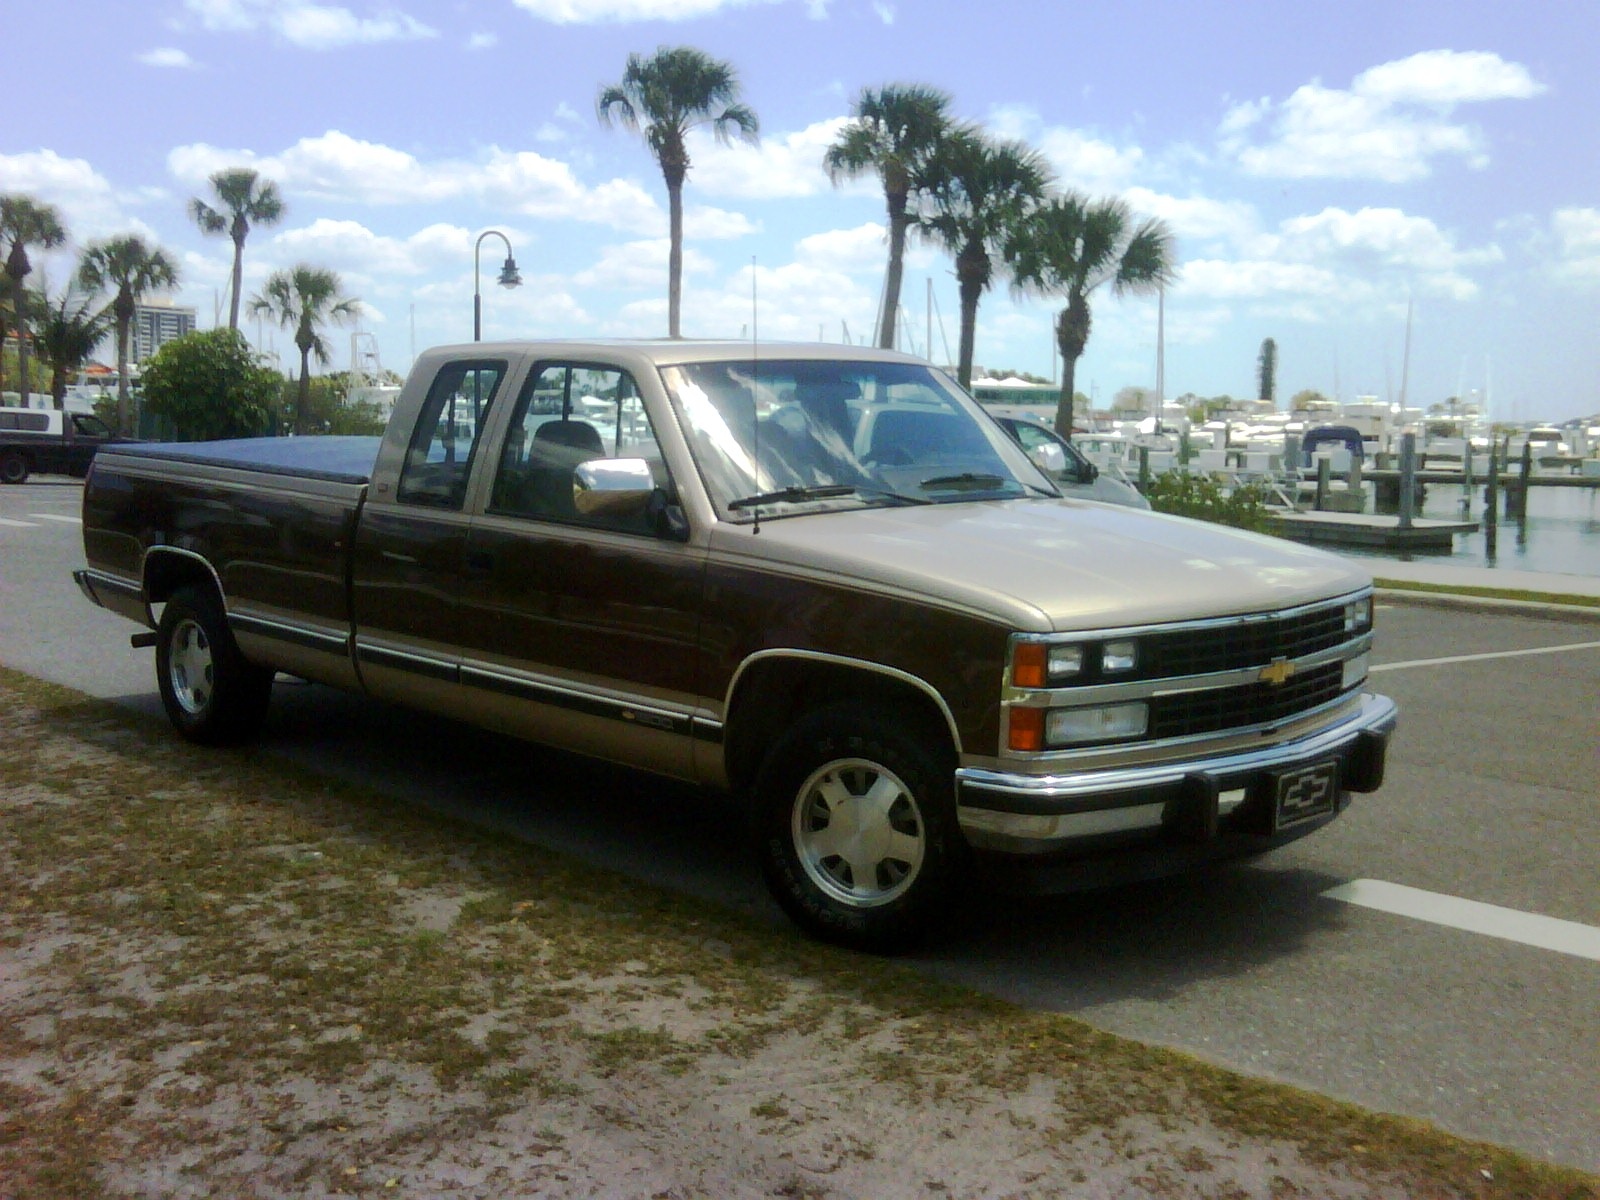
{"x":612,"y":487}
{"x":626,"y":488}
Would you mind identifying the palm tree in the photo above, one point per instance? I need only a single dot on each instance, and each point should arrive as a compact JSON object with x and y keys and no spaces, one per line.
{"x":133,"y":269}
{"x":303,"y":299}
{"x":246,"y":200}
{"x":897,"y":129}
{"x":1070,"y":246}
{"x":68,"y":332}
{"x":662,"y":98}
{"x":978,"y":191}
{"x":24,"y":222}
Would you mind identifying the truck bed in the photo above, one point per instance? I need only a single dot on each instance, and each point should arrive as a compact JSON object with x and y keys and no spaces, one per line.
{"x":334,"y":459}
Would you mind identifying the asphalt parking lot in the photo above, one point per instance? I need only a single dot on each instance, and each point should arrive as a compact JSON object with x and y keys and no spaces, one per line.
{"x":1435,"y":952}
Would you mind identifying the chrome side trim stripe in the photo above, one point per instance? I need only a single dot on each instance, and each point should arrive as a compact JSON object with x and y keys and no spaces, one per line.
{"x":403,"y":660}
{"x":298,"y":635}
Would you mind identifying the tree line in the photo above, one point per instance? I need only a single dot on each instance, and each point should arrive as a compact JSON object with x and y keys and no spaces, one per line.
{"x":990,"y":203}
{"x":66,"y":328}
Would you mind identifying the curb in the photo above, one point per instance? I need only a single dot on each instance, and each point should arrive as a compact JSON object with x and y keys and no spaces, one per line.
{"x":1540,"y":609}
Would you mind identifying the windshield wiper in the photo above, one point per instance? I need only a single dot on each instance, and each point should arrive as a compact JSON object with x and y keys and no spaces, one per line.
{"x":966,"y":481}
{"x":793,"y":495}
{"x":829,"y":491}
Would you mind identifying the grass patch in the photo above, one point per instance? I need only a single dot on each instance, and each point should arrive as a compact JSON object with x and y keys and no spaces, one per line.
{"x":268,"y":982}
{"x":1490,"y":593}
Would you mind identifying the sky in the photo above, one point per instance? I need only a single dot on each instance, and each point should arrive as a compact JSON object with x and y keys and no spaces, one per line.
{"x":1323,"y":166}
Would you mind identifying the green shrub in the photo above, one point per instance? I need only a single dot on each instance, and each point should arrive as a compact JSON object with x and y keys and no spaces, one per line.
{"x":210,"y":385}
{"x":1242,"y":505}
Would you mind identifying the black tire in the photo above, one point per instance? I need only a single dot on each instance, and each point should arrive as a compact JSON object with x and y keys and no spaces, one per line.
{"x":13,"y":467}
{"x":212,"y":695}
{"x":855,"y":827}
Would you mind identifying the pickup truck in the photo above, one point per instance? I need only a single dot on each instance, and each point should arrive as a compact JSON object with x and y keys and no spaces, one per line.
{"x":48,"y":441}
{"x":819,"y":577}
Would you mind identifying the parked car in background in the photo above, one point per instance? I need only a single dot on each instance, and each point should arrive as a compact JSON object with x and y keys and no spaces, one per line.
{"x":1063,"y":462}
{"x":48,"y":442}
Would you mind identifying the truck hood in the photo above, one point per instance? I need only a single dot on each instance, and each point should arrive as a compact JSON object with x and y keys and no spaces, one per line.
{"x":1044,"y":565}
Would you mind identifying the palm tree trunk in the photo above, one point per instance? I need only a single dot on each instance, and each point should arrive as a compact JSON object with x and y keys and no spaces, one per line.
{"x":971,"y":273}
{"x":22,"y":359}
{"x":893,"y":279}
{"x":674,"y":258}
{"x":238,"y":283}
{"x":1072,"y":335}
{"x":303,"y":395}
{"x":124,"y":328}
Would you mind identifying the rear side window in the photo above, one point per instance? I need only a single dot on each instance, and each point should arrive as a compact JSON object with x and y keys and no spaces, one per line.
{"x":29,"y":422}
{"x":445,"y":443}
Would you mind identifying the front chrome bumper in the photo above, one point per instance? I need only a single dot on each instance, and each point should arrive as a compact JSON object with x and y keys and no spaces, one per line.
{"x":1189,"y":799}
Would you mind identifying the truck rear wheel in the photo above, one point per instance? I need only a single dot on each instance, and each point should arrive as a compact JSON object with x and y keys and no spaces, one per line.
{"x":856,"y":827}
{"x":212,"y":694}
{"x":13,"y":467}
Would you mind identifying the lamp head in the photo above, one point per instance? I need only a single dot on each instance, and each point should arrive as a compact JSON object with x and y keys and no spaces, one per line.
{"x":510,"y":277}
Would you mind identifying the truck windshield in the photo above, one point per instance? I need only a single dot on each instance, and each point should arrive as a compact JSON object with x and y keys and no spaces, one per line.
{"x":790,"y":436}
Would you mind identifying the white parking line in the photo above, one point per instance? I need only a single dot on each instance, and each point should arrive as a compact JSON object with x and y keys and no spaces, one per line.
{"x":1461,"y":658}
{"x":1531,"y":929}
{"x":53,"y":517}
{"x":10,"y":524}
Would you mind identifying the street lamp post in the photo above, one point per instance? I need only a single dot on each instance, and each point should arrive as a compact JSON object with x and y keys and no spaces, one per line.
{"x":509,"y":278}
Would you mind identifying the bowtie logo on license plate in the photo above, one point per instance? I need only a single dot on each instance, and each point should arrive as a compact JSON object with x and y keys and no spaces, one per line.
{"x":1305,"y":794}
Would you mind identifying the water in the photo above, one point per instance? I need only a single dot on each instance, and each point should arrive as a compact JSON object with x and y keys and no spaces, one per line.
{"x":1561,"y":534}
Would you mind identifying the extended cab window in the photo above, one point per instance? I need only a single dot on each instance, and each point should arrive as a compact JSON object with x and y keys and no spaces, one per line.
{"x":567,"y":415}
{"x":445,"y":442}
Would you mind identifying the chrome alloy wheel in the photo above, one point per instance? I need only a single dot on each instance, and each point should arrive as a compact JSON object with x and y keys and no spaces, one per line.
{"x":858,"y":832}
{"x":190,"y":668}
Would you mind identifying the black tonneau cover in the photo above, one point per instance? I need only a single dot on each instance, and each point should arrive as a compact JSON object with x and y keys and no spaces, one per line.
{"x":337,"y":459}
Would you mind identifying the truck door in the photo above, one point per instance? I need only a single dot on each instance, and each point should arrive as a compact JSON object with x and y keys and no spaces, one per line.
{"x":580,"y":630}
{"x":406,"y":585}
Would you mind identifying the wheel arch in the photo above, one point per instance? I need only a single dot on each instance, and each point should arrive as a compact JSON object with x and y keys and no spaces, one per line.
{"x":775,"y":688}
{"x":168,"y":568}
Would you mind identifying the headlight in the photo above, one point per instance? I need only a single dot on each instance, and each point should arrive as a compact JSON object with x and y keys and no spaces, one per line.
{"x":1358,"y":615}
{"x":1116,"y":657}
{"x":1101,"y":723}
{"x":1049,"y":664}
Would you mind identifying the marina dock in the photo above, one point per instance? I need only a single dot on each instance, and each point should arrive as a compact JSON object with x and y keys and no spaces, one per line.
{"x":1374,"y":531}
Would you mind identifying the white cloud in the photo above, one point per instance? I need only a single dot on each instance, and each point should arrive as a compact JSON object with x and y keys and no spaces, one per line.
{"x":1081,"y":162}
{"x":483,"y":41}
{"x":1577,"y":232}
{"x":857,"y":251}
{"x":166,"y":56}
{"x":599,"y":12}
{"x":310,"y":26}
{"x":1196,"y":218}
{"x":337,"y":167}
{"x":89,"y":206}
{"x":1333,"y":263}
{"x":783,"y":167}
{"x":1447,"y":77}
{"x":1392,"y":124}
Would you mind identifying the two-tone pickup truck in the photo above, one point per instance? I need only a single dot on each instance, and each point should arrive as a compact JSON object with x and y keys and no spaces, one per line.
{"x":49,"y":442}
{"x":818,"y":576}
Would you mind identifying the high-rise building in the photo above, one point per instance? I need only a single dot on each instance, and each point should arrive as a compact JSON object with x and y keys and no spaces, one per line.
{"x":155,"y":323}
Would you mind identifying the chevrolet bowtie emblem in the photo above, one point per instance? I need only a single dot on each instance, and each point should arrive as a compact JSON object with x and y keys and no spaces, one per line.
{"x":1278,"y":672}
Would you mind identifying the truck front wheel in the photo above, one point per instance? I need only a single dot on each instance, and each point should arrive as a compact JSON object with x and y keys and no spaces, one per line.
{"x":211,"y":693}
{"x":856,"y":829}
